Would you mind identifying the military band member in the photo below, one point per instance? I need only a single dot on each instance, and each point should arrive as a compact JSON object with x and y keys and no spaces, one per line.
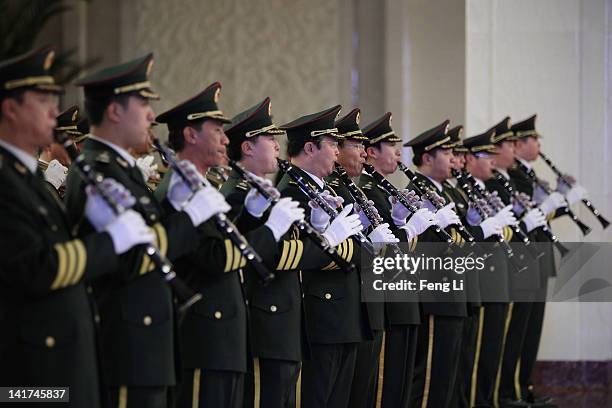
{"x":49,"y":334}
{"x":401,"y":319}
{"x":494,"y":279}
{"x":277,"y":335}
{"x":440,"y":333}
{"x":137,"y":316}
{"x":526,"y":150}
{"x":53,"y":160}
{"x":334,"y":318}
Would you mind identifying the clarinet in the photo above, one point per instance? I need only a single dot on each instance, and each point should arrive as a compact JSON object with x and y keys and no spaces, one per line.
{"x":604,"y":223}
{"x":486,"y":195}
{"x":360,"y":198}
{"x":423,"y":191}
{"x":185,"y":296}
{"x":274,"y":196}
{"x":528,"y":205}
{"x":464,"y":185}
{"x":399,"y":196}
{"x":568,"y":211}
{"x":287,"y":168}
{"x":223,"y":223}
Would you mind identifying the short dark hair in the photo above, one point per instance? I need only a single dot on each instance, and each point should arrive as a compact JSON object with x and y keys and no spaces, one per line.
{"x":95,"y":108}
{"x":234,"y":149}
{"x":176,"y":140}
{"x":16,"y":94}
{"x":417,"y":159}
{"x":295,"y":147}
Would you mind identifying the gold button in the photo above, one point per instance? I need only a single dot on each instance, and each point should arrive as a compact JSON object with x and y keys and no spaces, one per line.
{"x":152,"y":217}
{"x":50,"y":341}
{"x":218,"y":315}
{"x":89,"y":290}
{"x":147,"y":320}
{"x":328,"y":296}
{"x":54,"y":228}
{"x":492,"y":268}
{"x":273,"y":308}
{"x":144,"y":200}
{"x":97,"y":318}
{"x":521,"y":256}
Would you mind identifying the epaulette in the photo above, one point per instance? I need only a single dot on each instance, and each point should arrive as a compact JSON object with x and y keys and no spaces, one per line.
{"x":293,"y":182}
{"x":367,"y":186}
{"x":103,"y":157}
{"x":122,"y":162}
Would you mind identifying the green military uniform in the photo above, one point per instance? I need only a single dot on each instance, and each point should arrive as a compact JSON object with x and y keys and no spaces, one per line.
{"x":46,"y":314}
{"x":136,"y":309}
{"x":214,"y":331}
{"x":521,"y":359}
{"x":334,"y":318}
{"x":495,"y":296}
{"x":401,"y":319}
{"x":443,"y":314}
{"x":277,"y":332}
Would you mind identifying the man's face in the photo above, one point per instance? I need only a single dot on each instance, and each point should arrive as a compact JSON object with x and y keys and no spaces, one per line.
{"x":211,"y":143}
{"x":442,"y":163}
{"x":352,"y":156}
{"x":135,"y":121}
{"x":324,"y":157}
{"x":34,"y":117}
{"x":481,"y":165}
{"x":458,"y":160}
{"x":528,"y":148}
{"x":265,"y":150}
{"x":505,"y":154}
{"x":387,"y":156}
{"x":59,"y":153}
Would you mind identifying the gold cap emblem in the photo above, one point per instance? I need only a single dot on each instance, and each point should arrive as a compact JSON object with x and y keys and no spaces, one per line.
{"x":75,"y":114}
{"x":149,"y":67}
{"x":49,"y":60}
{"x":270,"y":108}
{"x":358,"y":118}
{"x":217,"y":94}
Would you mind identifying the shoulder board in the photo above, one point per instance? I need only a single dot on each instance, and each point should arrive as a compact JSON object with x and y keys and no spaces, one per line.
{"x":122,"y":162}
{"x":367,"y":186}
{"x":334,"y":183}
{"x":293,"y":183}
{"x":103,"y":157}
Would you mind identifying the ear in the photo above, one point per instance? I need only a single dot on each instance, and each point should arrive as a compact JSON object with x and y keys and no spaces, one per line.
{"x":427,"y":158}
{"x":309,"y":148}
{"x":246,"y":147}
{"x":114,"y":112}
{"x":372,"y":152}
{"x":189,"y":135}
{"x":9,"y":109}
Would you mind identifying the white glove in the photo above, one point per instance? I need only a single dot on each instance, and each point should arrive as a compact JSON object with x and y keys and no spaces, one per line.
{"x":383,"y":234}
{"x":419,"y":222}
{"x":473,"y":216}
{"x":255,"y":203}
{"x":539,"y":194}
{"x":56,"y":173}
{"x":342,"y":227}
{"x":552,"y":202}
{"x":318,"y":217}
{"x":365,"y":221}
{"x":204,"y":204}
{"x":576,"y":194}
{"x":491,"y":226}
{"x":179,"y":191}
{"x":284,"y":213}
{"x":147,"y":168}
{"x":128,"y":230}
{"x":445,"y":216}
{"x":97,"y":210}
{"x":534,"y":219}
{"x":505,"y":216}
{"x":399,"y":212}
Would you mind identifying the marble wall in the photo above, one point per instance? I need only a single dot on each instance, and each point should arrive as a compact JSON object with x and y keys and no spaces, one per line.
{"x":550,"y":57}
